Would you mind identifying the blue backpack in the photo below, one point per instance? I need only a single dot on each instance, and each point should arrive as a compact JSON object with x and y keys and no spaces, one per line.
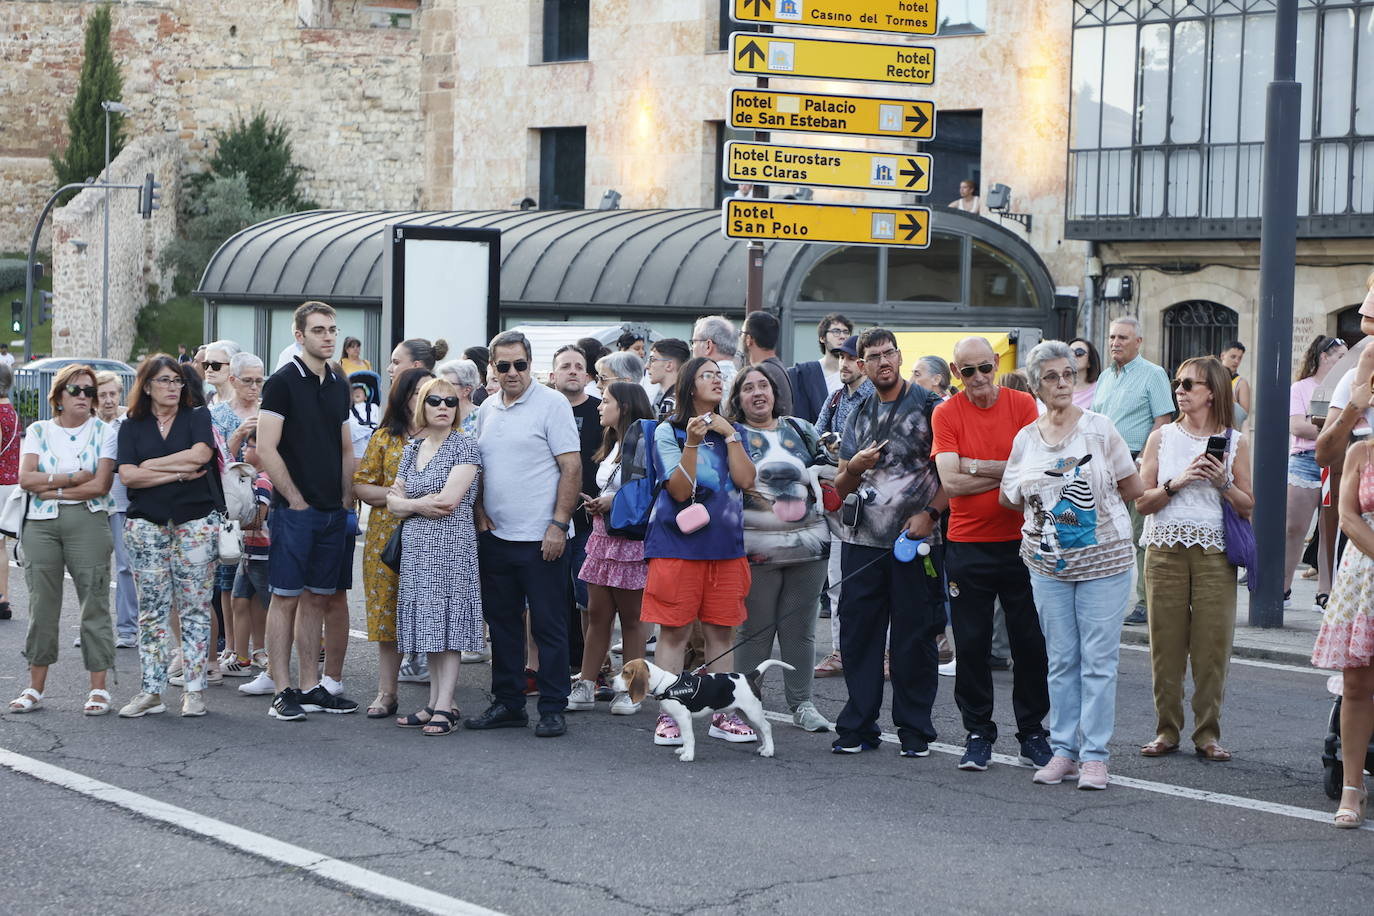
{"x":641,"y":481}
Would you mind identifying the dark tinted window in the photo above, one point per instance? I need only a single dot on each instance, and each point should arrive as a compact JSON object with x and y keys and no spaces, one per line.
{"x":565,"y":29}
{"x":995,"y":281}
{"x":933,"y":274}
{"x":562,"y":168}
{"x":844,"y":275}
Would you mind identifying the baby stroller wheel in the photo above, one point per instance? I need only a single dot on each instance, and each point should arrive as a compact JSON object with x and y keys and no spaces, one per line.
{"x":1333,"y":778}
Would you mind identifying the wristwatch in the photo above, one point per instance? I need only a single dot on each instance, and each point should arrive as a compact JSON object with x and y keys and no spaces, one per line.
{"x":562,"y":526}
{"x":973,"y":467}
{"x":934,"y":512}
{"x":59,"y":492}
{"x":1168,"y":490}
{"x":733,"y":437}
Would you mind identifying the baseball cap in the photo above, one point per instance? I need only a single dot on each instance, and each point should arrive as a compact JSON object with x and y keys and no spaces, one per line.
{"x":851,"y":346}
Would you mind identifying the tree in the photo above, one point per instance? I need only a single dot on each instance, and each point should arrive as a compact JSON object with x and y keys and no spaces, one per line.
{"x":259,"y":149}
{"x":84,"y":156}
{"x":222,"y":206}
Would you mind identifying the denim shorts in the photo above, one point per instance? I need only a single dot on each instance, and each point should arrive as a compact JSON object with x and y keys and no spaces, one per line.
{"x":224,"y":576}
{"x":251,"y":580}
{"x":1303,"y":471}
{"x":311,"y":550}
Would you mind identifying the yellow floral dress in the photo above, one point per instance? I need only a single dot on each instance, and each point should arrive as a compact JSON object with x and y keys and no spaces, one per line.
{"x":378,"y":468}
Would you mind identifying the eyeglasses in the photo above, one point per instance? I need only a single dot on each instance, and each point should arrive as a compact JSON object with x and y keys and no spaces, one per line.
{"x":1054,"y":378}
{"x":1079,"y":351}
{"x":434,"y":401}
{"x":981,"y":368}
{"x":697,"y":340}
{"x":214,"y":365}
{"x":838,"y":332}
{"x":1187,"y":383}
{"x":610,"y":379}
{"x":253,"y":382}
{"x":890,"y":355}
{"x":520,"y":365}
{"x":169,"y":381}
{"x":709,"y":376}
{"x":77,"y":391}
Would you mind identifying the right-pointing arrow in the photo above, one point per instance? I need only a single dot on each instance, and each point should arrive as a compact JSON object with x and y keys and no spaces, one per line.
{"x":916,"y":172}
{"x":912,"y":226}
{"x":917,"y":119}
{"x":749,"y":52}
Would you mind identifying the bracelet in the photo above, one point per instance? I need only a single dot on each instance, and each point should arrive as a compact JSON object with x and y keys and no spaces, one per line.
{"x":934,"y":512}
{"x":1168,"y":490}
{"x":563,"y":526}
{"x":690,"y":445}
{"x":59,"y":492}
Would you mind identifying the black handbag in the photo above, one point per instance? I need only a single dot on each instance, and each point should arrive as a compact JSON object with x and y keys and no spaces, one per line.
{"x":391,"y":550}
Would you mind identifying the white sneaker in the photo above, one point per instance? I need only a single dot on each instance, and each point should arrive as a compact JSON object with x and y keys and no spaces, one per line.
{"x":143,"y":704}
{"x":76,"y":643}
{"x":177,"y":665}
{"x":583,"y":696}
{"x":947,"y":669}
{"x":808,"y":718}
{"x":334,"y":687}
{"x":414,"y":669}
{"x":260,"y":686}
{"x":475,"y":658}
{"x":214,"y":676}
{"x":193,"y":703}
{"x":126,"y":642}
{"x":618,"y":648}
{"x":622,"y":705}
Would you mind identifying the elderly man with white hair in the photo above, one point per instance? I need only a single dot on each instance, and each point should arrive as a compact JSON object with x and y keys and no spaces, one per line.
{"x":714,"y":337}
{"x":1134,"y":394}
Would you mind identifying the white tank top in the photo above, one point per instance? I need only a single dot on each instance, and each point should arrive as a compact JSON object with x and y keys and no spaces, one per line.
{"x":1192,"y":518}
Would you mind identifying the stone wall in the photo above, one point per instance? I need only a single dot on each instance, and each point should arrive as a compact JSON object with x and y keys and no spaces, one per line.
{"x":350,"y":95}
{"x":78,"y":231}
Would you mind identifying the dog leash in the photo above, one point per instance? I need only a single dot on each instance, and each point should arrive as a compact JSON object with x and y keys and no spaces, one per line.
{"x":843,"y":580}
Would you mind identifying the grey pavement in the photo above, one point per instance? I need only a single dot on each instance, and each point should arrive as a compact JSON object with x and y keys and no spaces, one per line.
{"x":603,"y":822}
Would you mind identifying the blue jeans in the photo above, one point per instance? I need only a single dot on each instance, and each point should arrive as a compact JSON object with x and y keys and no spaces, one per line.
{"x":126,"y":598}
{"x":1082,"y":626}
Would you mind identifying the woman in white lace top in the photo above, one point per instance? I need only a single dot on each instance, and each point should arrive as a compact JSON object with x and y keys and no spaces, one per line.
{"x":1190,"y":586}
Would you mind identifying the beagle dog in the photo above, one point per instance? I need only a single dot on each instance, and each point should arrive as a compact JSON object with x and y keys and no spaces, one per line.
{"x":683,"y":696}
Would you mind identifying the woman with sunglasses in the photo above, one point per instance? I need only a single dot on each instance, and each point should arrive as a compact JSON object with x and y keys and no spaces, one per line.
{"x":1087,"y":366}
{"x":698,"y":573}
{"x":66,"y":465}
{"x":1190,"y":585}
{"x":167,"y":454}
{"x":371,"y":482}
{"x":218,"y":356}
{"x":1304,"y":476}
{"x":434,"y":493}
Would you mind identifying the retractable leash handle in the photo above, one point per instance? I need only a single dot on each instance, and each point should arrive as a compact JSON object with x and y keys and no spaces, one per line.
{"x":906,"y":549}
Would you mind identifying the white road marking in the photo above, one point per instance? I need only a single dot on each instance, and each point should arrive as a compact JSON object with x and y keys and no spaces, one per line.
{"x":369,"y":883}
{"x":1144,"y":785}
{"x":1251,"y":662}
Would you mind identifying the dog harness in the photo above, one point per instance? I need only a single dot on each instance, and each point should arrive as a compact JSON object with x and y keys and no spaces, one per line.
{"x":701,"y":691}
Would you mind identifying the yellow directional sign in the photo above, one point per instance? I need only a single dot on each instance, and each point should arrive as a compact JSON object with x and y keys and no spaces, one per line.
{"x":763,"y":163}
{"x":787,"y":221}
{"x":909,"y":17}
{"x":753,"y":54}
{"x":767,"y":109}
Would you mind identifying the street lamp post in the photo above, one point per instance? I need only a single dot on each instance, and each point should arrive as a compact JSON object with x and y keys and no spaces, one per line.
{"x":120,"y":108}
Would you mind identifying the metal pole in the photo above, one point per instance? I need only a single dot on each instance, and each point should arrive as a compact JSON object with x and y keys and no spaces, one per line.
{"x":1278,"y":251}
{"x":105,"y":253}
{"x":753,"y":252}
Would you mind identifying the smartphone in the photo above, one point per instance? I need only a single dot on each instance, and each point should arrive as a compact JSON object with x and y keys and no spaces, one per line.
{"x":1216,"y":447}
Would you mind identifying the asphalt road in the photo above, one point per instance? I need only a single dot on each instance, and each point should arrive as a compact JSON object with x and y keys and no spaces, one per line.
{"x":603,"y":822}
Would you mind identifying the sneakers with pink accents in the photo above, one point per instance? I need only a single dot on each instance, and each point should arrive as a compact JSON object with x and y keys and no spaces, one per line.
{"x":666,"y":733}
{"x":1093,"y":775}
{"x":728,"y":726}
{"x":1055,"y":772}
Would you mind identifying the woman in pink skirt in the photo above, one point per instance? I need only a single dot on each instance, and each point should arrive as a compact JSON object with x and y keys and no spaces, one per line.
{"x":614,"y":570}
{"x":1346,"y":640}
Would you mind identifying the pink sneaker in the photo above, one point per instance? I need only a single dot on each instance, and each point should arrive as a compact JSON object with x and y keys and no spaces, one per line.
{"x":666,"y":733}
{"x":1055,"y":772}
{"x":730,"y":727}
{"x":1094,"y":775}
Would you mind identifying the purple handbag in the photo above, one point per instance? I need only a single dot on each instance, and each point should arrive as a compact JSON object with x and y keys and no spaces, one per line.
{"x":1239,"y":536}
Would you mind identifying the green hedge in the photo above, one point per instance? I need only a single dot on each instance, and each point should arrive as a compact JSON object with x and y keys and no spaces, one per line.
{"x":11,"y":272}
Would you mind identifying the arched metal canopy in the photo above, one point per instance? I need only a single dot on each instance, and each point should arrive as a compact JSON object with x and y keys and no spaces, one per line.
{"x":626,"y":259}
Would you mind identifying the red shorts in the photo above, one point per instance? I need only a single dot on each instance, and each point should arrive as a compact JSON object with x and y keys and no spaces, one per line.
{"x":682,"y":591}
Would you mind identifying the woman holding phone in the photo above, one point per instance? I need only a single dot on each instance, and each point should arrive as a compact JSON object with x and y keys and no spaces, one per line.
{"x":1189,"y":467}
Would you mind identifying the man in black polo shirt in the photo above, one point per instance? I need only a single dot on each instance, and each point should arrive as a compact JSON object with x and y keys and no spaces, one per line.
{"x":307,"y":452}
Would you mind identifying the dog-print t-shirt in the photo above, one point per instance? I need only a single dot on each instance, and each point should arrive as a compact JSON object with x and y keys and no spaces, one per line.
{"x":782,"y":523}
{"x":1076,"y":525}
{"x":722,"y":538}
{"x":702,"y":691}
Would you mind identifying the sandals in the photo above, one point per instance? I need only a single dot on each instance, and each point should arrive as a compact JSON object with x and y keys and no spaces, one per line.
{"x":5,"y":612}
{"x":380,"y":709}
{"x":98,"y":703}
{"x":1351,"y":817}
{"x":1158,"y":748}
{"x":414,"y":721}
{"x":1321,"y":600}
{"x":27,"y":701}
{"x":1214,"y":753}
{"x":443,"y":722}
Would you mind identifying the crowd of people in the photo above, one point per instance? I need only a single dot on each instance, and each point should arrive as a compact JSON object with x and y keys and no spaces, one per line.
{"x":1049,"y":505}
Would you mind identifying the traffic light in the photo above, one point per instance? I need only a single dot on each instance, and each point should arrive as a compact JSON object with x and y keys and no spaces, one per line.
{"x":17,"y":316}
{"x":37,"y":272}
{"x":148,"y":196}
{"x":45,"y":307}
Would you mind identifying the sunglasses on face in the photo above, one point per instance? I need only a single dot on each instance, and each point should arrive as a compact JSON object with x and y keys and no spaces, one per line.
{"x":1187,"y":383}
{"x":77,"y":391}
{"x":434,"y":401}
{"x":214,"y":365}
{"x":520,"y":365}
{"x":1079,"y":351}
{"x":982,"y":368}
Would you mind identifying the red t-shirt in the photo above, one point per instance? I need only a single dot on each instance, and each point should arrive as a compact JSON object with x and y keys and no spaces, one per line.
{"x":982,"y":434}
{"x":9,"y":445}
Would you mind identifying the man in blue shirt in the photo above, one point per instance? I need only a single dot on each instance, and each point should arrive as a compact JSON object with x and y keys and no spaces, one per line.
{"x":1135,"y":394}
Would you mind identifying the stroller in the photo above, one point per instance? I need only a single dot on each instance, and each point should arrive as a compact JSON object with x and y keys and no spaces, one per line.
{"x":1333,"y":772}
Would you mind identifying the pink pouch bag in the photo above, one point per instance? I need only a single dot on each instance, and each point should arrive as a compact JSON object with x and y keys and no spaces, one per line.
{"x":693,"y":518}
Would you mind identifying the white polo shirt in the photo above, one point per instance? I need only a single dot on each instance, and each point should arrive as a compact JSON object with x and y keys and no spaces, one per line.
{"x":520,"y":445}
